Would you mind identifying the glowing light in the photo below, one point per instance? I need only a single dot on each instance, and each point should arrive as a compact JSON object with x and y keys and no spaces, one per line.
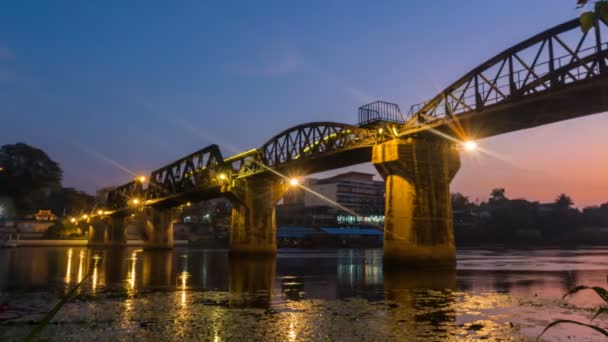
{"x":469,"y":145}
{"x":68,"y":271}
{"x":132,"y":273}
{"x":99,"y":212}
{"x":395,"y":132}
{"x":380,"y":130}
{"x":222,"y":176}
{"x":135,"y":201}
{"x":85,"y":216}
{"x":72,"y":220}
{"x":292,"y":332}
{"x":141,"y":179}
{"x":188,"y":204}
{"x":80,"y":262}
{"x":95,"y":276}
{"x":294,"y":182}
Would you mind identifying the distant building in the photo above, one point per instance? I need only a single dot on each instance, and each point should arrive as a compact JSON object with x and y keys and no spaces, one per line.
{"x":45,"y":215}
{"x":298,"y":236}
{"x":347,"y":198}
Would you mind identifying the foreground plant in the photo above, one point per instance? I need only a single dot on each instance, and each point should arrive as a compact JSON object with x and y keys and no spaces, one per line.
{"x":602,"y":292}
{"x":589,"y":18}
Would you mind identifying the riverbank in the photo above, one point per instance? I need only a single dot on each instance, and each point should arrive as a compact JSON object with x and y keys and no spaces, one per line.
{"x":71,"y":243}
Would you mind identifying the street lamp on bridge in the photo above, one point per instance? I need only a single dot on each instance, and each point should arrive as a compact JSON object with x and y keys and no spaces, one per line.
{"x":469,"y":145}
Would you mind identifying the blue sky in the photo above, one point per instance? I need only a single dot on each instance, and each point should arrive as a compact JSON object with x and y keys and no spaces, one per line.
{"x":141,"y":83}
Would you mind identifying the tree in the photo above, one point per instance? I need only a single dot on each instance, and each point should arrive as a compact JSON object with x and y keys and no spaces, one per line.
{"x":461,"y":202}
{"x":589,"y":18}
{"x":498,"y":195}
{"x":28,"y":176}
{"x":563,"y":201}
{"x":69,"y":201}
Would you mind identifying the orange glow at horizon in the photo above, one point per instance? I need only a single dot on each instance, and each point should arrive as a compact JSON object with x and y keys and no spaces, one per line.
{"x":569,"y":157}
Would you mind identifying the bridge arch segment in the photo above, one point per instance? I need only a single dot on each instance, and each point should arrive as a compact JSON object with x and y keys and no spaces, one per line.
{"x":552,"y":60}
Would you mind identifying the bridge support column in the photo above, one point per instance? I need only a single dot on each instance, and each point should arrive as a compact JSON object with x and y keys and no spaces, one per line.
{"x":418,"y":228}
{"x":107,"y":231}
{"x":158,"y":227}
{"x":253,"y":227}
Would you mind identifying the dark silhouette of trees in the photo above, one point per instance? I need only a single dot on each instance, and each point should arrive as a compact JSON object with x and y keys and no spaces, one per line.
{"x":28,"y":176}
{"x":563,"y":201}
{"x":515,"y":221}
{"x":498,"y":196}
{"x":461,"y":202}
{"x":32,"y":181}
{"x":69,"y":201}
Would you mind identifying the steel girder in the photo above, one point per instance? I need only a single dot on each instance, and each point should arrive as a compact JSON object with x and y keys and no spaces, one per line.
{"x":556,"y":58}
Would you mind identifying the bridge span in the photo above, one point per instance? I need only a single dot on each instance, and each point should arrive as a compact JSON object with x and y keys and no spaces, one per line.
{"x":556,"y":75}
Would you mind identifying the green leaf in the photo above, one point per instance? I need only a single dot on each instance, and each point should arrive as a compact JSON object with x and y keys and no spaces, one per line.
{"x":599,"y":312}
{"x":601,"y":10}
{"x":587,"y":20}
{"x":598,"y":329}
{"x":603,"y":293}
{"x":49,"y":316}
{"x":575,"y":290}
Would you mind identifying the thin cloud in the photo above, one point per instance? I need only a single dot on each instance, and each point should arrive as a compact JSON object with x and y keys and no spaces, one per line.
{"x":357,"y":94}
{"x":277,"y":64}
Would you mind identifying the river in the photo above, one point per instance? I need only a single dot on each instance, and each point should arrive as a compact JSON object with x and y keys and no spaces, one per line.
{"x":302,"y":295}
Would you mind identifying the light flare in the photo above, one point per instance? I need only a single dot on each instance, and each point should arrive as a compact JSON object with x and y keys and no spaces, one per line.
{"x":469,"y":145}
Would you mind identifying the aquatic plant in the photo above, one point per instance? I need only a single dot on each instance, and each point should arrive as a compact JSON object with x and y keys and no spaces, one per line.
{"x":600,"y":291}
{"x":32,"y":336}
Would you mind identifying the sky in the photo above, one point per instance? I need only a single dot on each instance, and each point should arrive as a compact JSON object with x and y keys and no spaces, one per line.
{"x":110,"y":89}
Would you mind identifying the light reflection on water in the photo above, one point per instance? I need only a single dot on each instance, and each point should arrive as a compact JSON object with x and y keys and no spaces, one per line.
{"x":303,"y":294}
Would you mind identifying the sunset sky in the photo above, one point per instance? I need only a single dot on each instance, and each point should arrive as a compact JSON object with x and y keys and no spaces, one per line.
{"x":108,"y":88}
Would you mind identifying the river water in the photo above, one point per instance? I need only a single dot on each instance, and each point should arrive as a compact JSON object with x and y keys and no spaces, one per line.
{"x":302,"y":295}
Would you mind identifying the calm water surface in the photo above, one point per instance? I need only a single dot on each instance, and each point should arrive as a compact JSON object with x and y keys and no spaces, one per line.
{"x":302,"y":295}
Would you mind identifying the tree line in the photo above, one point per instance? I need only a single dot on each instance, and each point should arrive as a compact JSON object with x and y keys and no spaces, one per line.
{"x":504,"y":220}
{"x":30,"y":180}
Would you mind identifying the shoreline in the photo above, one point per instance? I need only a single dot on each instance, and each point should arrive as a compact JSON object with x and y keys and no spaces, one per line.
{"x":72,"y":243}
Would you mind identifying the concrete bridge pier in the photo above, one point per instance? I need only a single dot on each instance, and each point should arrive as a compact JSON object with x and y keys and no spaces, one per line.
{"x":107,"y":231}
{"x":418,"y":227}
{"x":253,"y":227}
{"x":157,"y":225}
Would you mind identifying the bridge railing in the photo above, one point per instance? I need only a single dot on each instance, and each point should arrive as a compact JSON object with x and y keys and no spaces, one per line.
{"x":552,"y":59}
{"x":380,"y":111}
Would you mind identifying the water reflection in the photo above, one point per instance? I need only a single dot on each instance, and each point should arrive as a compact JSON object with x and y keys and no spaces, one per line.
{"x":251,"y":281}
{"x":68,"y":272}
{"x":424,"y":299}
{"x":298,"y":289}
{"x":95,"y":275}
{"x":80,"y":265}
{"x":183,"y":279}
{"x":157,"y":268}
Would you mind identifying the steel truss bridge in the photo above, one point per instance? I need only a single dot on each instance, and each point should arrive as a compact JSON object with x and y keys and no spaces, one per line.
{"x":555,"y":75}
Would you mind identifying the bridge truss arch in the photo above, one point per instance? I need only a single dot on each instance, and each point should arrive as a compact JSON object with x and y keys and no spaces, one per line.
{"x":551,"y":60}
{"x":315,"y":141}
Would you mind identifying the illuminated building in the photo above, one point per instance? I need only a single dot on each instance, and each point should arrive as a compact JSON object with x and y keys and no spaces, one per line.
{"x":356,"y":191}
